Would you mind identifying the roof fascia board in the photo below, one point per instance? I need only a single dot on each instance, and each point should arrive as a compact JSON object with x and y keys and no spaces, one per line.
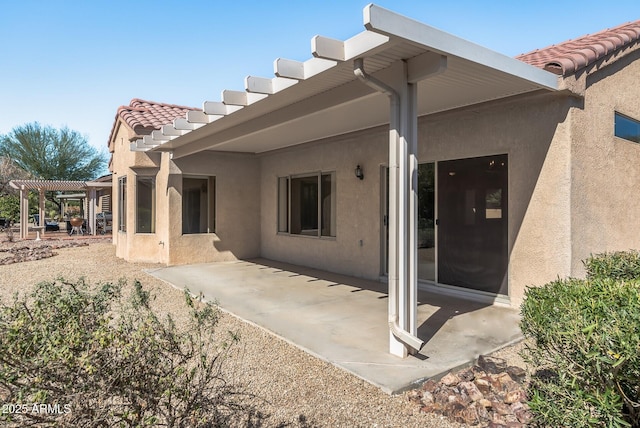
{"x":263,"y":85}
{"x":181,"y":123}
{"x":99,"y":184}
{"x":148,"y":141}
{"x":292,"y":69}
{"x":159,"y":136}
{"x":366,"y":42}
{"x":218,"y":108}
{"x":170,"y":131}
{"x":384,"y":21}
{"x":197,"y":116}
{"x":139,"y":146}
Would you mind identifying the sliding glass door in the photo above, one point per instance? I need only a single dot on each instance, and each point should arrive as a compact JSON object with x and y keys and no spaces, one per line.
{"x":426,"y":222}
{"x":472,"y":223}
{"x":470,"y":247}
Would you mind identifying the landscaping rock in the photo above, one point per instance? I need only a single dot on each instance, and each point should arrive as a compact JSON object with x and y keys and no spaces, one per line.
{"x":26,"y":251}
{"x":430,"y":385}
{"x":450,"y":379}
{"x":492,"y":365}
{"x":490,"y":394}
{"x":517,"y":373}
{"x":471,"y":390}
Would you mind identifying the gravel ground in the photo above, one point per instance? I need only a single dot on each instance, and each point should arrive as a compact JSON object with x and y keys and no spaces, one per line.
{"x":294,"y":389}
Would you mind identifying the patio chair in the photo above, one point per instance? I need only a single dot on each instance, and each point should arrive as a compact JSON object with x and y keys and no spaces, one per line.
{"x":49,"y":225}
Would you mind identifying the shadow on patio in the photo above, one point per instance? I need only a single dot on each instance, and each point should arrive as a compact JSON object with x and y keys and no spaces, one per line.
{"x":343,"y":320}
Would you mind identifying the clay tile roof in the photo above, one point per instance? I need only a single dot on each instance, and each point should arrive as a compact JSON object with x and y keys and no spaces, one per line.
{"x":144,"y":116}
{"x":150,"y":115}
{"x":568,"y":57}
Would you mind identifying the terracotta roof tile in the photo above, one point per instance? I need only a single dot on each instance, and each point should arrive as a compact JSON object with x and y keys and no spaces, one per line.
{"x":144,"y":116}
{"x":568,"y":57}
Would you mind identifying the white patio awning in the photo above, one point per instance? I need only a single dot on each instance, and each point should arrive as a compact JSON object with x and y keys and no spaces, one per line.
{"x":320,"y":97}
{"x":90,"y":187}
{"x":62,"y":185}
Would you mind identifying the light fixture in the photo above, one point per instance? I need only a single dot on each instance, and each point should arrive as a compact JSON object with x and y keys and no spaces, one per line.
{"x":359,"y":172}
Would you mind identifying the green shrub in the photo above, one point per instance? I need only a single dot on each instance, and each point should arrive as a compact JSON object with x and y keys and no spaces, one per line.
{"x":97,"y":359}
{"x":623,"y":265}
{"x":585,"y":344}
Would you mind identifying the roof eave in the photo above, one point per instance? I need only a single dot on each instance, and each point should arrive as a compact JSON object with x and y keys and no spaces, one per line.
{"x":384,"y":21}
{"x":385,"y":30}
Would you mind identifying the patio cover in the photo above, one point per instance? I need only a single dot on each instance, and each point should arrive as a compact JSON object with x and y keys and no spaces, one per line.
{"x":42,"y":186}
{"x":321,"y":97}
{"x":412,"y":69}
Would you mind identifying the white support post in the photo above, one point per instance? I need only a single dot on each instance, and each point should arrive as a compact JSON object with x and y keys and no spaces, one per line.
{"x":402,"y":206}
{"x":396,"y":347}
{"x":403,"y":209}
{"x":24,"y":212}
{"x":41,"y":211}
{"x":91,"y":221}
{"x":412,"y":136}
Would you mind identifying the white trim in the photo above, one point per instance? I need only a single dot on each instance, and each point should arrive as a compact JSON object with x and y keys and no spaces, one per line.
{"x":217,"y":108}
{"x":337,"y":50}
{"x":264,"y":85}
{"x":394,"y":25}
{"x":301,"y":70}
{"x":169,"y":130}
{"x":181,"y":123}
{"x":197,"y":116}
{"x":241,"y":98}
{"x":465,"y":293}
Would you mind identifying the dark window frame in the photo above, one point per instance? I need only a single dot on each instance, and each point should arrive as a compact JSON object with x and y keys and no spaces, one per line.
{"x":194,"y":222}
{"x":122,"y":204}
{"x":306,"y":205}
{"x":626,"y":127}
{"x":145,"y":223}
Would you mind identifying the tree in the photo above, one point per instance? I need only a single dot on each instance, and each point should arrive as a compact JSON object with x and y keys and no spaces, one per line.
{"x":52,"y":154}
{"x":9,"y":201}
{"x":10,"y":171}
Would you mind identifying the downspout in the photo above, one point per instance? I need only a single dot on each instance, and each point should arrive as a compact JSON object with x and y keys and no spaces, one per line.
{"x":394,"y":121}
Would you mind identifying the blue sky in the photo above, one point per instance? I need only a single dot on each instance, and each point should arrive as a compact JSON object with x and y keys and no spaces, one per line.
{"x":73,"y":63}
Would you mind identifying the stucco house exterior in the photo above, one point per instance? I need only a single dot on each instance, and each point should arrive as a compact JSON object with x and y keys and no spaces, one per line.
{"x":404,"y":154}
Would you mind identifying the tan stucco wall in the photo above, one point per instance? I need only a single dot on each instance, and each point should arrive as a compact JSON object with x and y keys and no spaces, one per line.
{"x":606,"y":169}
{"x":237,"y":209}
{"x":237,"y":206}
{"x":532,"y":131}
{"x":357,"y":204}
{"x":130,"y":245}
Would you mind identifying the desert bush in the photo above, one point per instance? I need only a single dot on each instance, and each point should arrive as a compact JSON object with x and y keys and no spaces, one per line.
{"x":622,"y":265}
{"x":94,"y":358}
{"x":585,"y":344}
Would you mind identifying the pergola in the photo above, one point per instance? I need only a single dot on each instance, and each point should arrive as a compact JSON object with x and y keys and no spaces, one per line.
{"x":89,"y":187}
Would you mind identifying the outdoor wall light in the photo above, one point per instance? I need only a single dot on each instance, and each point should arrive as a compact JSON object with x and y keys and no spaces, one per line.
{"x":359,"y":172}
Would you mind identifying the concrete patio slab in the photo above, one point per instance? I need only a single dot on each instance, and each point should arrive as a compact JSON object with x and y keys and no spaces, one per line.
{"x":343,"y":320}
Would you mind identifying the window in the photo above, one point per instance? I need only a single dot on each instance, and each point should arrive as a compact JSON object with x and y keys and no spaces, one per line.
{"x":493,"y":203}
{"x":145,"y":204}
{"x":627,"y":128}
{"x":307,"y":205}
{"x":122,"y":204}
{"x":198,"y":205}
